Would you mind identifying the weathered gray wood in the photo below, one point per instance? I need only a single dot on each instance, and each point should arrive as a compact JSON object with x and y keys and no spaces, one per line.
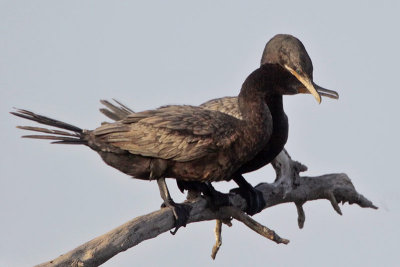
{"x":288,"y":187}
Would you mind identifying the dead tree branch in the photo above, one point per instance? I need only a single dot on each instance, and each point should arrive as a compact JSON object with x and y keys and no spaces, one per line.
{"x":218,"y":238}
{"x":289,"y":186}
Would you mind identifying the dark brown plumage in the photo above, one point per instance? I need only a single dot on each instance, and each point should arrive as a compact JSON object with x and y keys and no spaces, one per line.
{"x":184,"y":142}
{"x":284,"y":50}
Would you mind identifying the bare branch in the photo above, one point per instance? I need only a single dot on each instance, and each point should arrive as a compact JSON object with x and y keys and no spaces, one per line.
{"x":334,"y":203}
{"x":218,"y":239}
{"x":257,"y":227}
{"x":301,"y":216}
{"x":288,"y":187}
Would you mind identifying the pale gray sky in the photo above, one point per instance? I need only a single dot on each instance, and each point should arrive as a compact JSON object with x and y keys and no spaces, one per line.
{"x":60,"y":57}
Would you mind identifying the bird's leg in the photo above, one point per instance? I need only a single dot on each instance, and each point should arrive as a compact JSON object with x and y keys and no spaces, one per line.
{"x":181,"y":211}
{"x":254,"y":198}
{"x":215,"y":199}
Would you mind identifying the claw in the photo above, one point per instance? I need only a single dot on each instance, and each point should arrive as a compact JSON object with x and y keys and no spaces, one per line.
{"x":181,"y":213}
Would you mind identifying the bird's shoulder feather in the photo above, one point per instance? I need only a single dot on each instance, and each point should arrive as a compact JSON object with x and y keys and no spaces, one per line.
{"x":228,"y":105}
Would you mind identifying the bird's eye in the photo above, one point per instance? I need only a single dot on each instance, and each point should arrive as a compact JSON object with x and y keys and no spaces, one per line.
{"x":298,"y":71}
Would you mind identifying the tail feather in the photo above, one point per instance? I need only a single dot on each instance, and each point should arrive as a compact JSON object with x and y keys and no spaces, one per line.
{"x":59,"y":137}
{"x":51,"y":137}
{"x":44,"y":130}
{"x":45,"y":120}
{"x":115,"y":112}
{"x":74,"y":142}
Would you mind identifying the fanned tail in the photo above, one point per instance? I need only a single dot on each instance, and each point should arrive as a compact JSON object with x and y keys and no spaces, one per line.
{"x":74,"y":136}
{"x":115,"y":112}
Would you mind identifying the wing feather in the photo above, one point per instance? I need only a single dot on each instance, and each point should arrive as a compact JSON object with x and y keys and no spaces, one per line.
{"x":180,"y":133}
{"x":228,"y":105}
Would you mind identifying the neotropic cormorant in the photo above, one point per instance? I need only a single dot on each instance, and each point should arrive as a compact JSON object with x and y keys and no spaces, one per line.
{"x":282,"y":49}
{"x":184,"y":142}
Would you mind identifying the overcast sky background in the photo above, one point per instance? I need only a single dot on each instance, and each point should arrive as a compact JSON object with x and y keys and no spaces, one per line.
{"x":60,"y":57}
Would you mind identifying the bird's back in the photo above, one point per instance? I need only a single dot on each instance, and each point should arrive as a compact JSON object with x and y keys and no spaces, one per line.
{"x":179,"y":133}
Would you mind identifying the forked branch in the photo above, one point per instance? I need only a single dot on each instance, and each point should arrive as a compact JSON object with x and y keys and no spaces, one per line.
{"x":288,"y":187}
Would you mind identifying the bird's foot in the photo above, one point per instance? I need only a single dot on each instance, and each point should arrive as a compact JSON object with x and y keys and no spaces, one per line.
{"x":181,"y":213}
{"x":254,"y":198}
{"x":216,"y":199}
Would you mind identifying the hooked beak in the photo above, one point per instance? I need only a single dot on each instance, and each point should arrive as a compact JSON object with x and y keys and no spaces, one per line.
{"x":325,"y":92}
{"x":322,"y":91}
{"x":307,"y":83}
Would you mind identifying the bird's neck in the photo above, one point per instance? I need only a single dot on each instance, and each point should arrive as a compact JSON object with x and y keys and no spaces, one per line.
{"x":275,"y":106}
{"x":259,"y":96}
{"x":256,"y":124}
{"x":259,"y":91}
{"x":253,"y":107}
{"x":280,"y":128}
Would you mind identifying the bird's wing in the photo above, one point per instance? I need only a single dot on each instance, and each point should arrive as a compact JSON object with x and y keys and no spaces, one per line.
{"x":228,"y":105}
{"x":180,"y":133}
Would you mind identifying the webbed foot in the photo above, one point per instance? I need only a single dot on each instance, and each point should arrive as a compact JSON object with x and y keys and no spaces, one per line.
{"x":254,"y":198}
{"x":181,"y":211}
{"x":181,"y":214}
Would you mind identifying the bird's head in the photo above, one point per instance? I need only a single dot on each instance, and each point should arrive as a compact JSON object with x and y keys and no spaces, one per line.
{"x":287,"y":51}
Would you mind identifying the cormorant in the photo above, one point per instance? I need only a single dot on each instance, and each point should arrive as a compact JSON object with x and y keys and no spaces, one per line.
{"x":184,"y":142}
{"x":282,"y":49}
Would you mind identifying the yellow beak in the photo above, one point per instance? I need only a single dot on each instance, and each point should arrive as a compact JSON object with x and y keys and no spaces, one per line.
{"x":306,"y":82}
